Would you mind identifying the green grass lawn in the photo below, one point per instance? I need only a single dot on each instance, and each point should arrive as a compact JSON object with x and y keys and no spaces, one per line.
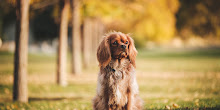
{"x":178,"y":79}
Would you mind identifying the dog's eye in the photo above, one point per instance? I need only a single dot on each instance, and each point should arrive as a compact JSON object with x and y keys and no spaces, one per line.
{"x":126,"y":42}
{"x":115,"y":43}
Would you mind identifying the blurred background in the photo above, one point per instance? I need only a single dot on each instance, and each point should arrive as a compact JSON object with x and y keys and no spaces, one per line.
{"x":178,"y":65}
{"x":179,"y":23}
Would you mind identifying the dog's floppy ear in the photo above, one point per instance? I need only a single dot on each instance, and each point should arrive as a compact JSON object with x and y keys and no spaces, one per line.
{"x":132,"y":51}
{"x":104,"y":53}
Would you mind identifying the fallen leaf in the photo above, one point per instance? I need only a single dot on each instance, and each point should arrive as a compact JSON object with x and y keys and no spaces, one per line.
{"x":176,"y":106}
{"x":167,"y":107}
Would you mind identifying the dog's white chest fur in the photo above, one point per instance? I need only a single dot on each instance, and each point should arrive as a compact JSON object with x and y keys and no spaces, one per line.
{"x":115,"y":79}
{"x":115,"y":75}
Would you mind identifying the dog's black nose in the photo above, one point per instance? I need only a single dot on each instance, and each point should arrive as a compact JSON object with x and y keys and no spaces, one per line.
{"x":123,"y":46}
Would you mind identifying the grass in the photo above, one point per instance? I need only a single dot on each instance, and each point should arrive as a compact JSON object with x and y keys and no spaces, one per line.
{"x":179,"y":79}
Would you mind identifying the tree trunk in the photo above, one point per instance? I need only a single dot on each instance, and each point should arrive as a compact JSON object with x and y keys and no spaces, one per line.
{"x":63,"y":38}
{"x":87,"y":43}
{"x":20,"y":89}
{"x":76,"y":39}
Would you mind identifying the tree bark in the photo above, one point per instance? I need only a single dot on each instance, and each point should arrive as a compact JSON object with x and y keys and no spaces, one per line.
{"x":20,"y":88}
{"x":63,"y":42}
{"x":87,"y":43}
{"x":76,"y":38}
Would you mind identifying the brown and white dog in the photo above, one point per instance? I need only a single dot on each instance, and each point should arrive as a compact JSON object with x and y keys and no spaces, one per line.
{"x":117,"y":88}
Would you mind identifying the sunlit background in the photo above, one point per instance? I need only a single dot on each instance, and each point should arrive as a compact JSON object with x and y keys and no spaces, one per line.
{"x":178,"y":65}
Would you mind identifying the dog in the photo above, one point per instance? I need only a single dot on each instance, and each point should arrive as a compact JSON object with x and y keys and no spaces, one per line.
{"x":117,"y":88}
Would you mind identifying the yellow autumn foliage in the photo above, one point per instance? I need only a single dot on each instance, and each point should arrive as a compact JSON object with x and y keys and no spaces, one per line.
{"x":145,"y":19}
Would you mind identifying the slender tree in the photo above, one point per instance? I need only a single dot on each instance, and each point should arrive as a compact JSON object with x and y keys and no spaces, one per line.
{"x":20,"y":89}
{"x":63,"y":42}
{"x":76,"y":38}
{"x":87,"y":43}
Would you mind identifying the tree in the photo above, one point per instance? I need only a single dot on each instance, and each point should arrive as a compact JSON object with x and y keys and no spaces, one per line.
{"x":20,"y":89}
{"x":62,"y":52}
{"x":199,"y":18}
{"x":87,"y":42}
{"x":76,"y":39}
{"x":93,"y":31}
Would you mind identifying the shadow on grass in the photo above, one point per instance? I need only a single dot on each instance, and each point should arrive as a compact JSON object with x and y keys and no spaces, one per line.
{"x":53,"y":98}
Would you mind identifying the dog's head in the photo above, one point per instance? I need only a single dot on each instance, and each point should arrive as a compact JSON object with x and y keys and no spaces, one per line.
{"x":116,"y":45}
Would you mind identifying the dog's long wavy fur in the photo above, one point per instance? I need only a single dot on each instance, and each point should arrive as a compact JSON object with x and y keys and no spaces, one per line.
{"x":117,"y":88}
